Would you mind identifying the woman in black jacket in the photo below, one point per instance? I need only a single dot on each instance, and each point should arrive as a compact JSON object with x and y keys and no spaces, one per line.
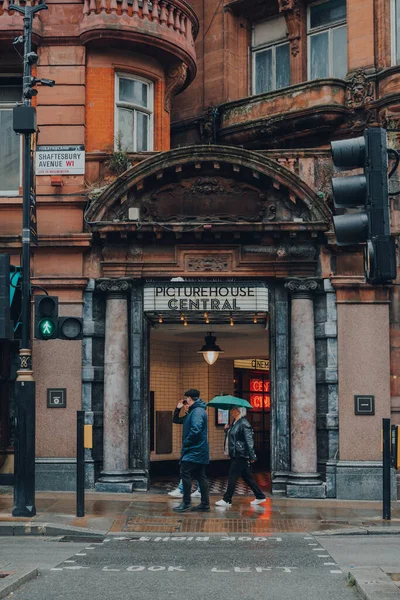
{"x":239,"y":444}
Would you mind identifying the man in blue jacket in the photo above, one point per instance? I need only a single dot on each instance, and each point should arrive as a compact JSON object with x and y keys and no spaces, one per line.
{"x":195,"y":453}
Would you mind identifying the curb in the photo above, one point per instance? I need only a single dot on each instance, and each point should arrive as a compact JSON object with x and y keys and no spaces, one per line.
{"x":358,"y":531}
{"x":373,"y":584}
{"x":13,"y":582}
{"x":46,"y":529}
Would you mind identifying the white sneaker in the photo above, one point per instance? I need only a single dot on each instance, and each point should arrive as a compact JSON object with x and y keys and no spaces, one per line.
{"x":223,"y":503}
{"x":258,"y":501}
{"x":176,"y":493}
{"x":195,"y":494}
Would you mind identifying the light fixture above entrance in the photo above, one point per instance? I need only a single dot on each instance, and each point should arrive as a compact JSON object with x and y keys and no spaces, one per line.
{"x":210,"y":350}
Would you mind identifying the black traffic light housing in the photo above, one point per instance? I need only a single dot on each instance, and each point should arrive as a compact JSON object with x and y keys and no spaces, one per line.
{"x":368,"y":192}
{"x":49,"y":326}
{"x":6,"y":330}
{"x":46,"y":317}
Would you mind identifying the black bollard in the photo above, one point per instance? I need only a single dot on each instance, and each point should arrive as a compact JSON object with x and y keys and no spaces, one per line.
{"x":386,"y":506}
{"x":80,"y":464}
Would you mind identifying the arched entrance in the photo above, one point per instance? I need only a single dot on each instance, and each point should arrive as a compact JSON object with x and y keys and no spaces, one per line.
{"x":218,"y":214}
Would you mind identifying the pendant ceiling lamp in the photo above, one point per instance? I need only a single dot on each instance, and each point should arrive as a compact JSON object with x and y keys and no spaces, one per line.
{"x":210,"y":350}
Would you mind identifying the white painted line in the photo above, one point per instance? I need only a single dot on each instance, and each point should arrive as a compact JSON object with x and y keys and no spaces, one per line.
{"x":308,"y":538}
{"x":317,"y":549}
{"x":56,"y":569}
{"x":90,"y":548}
{"x":69,"y":561}
{"x":329,"y":564}
{"x":338,"y":571}
{"x":80,"y":554}
{"x":76,"y":568}
{"x":108,"y":569}
{"x":323,"y":555}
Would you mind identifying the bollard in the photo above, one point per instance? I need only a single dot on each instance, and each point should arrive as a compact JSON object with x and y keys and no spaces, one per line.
{"x":80,"y":464}
{"x":386,"y":506}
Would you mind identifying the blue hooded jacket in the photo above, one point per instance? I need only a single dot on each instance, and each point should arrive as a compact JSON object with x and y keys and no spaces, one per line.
{"x":194,"y":435}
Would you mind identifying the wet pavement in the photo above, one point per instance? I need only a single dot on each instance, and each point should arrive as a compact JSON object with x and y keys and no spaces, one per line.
{"x":149,"y":512}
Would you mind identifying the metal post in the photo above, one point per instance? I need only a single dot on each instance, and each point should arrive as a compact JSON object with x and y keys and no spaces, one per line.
{"x":80,"y":464}
{"x":386,"y":506}
{"x":24,"y":488}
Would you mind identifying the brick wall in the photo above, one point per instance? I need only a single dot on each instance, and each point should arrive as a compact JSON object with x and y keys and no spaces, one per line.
{"x":174,"y":368}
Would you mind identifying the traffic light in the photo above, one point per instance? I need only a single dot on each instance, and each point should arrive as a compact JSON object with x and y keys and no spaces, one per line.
{"x":48,"y":325}
{"x":70,"y":328}
{"x":46,"y":317}
{"x":368,"y":192}
{"x":5,"y":319}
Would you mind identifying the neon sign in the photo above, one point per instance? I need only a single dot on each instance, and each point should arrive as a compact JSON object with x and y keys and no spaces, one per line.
{"x":259,"y":393}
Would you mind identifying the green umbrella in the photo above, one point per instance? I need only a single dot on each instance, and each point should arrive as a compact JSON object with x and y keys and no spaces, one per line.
{"x":227,"y":402}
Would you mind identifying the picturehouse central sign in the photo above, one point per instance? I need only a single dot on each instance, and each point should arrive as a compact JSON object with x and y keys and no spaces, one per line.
{"x":205,"y":297}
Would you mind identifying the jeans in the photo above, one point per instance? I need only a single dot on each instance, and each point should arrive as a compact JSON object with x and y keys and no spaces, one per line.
{"x":187,"y":471}
{"x":240,"y":467}
{"x":180,"y":486}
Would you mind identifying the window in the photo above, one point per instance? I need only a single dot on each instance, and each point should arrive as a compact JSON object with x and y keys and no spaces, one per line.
{"x":395,"y":20}
{"x":327,"y":40}
{"x":271,"y":56}
{"x":10,"y":142}
{"x":134,"y":113}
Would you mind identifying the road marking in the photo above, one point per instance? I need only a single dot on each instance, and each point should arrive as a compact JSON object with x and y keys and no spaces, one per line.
{"x":90,"y":548}
{"x":56,"y":569}
{"x":69,"y":561}
{"x":317,"y":549}
{"x":80,"y":554}
{"x":308,"y":538}
{"x":313,"y":544}
{"x":182,"y":538}
{"x":329,"y":564}
{"x":108,"y":569}
{"x":334,"y":571}
{"x":76,"y":568}
{"x":323,"y":555}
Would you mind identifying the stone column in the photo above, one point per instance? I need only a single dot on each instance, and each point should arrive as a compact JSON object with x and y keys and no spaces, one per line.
{"x":304,"y":480}
{"x":116,"y":476}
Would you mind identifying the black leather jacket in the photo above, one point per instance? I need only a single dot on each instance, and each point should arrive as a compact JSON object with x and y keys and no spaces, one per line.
{"x":240,"y":440}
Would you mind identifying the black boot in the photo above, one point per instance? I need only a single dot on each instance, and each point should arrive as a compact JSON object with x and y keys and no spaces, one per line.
{"x":201,"y":508}
{"x":182,"y":507}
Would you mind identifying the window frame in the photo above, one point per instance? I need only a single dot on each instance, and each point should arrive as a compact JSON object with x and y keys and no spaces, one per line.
{"x":394,"y":42}
{"x":261,"y":48}
{"x":318,"y":30}
{"x":10,"y":106}
{"x":149,"y":110}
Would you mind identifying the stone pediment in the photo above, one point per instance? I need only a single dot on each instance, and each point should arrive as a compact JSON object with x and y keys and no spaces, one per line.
{"x":209,"y":184}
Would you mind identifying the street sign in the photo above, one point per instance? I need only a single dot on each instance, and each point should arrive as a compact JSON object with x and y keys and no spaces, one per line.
{"x":60,"y":160}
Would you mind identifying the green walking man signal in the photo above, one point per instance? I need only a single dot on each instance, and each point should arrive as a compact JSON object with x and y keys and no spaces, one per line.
{"x":48,"y":325}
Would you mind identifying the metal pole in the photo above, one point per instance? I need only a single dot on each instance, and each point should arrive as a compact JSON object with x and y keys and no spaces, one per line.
{"x":80,"y":464}
{"x":25,"y":430}
{"x":386,"y":506}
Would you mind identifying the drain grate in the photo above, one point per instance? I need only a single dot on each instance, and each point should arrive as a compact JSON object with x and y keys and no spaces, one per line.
{"x":81,"y":539}
{"x":335,"y":522}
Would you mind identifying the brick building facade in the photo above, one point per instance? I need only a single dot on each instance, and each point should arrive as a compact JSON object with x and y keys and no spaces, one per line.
{"x":206,"y":129}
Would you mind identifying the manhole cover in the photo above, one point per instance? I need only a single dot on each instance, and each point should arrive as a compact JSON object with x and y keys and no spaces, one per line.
{"x":81,"y":539}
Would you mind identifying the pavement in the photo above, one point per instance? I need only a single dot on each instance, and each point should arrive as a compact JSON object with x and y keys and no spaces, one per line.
{"x":353,"y":533}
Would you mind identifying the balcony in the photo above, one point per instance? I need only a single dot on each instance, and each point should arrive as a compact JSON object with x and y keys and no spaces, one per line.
{"x":292,"y":115}
{"x":165,"y":27}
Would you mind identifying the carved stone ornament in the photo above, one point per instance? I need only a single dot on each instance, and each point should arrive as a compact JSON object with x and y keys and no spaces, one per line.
{"x":136,"y":253}
{"x":302,"y":288}
{"x":285,"y":5}
{"x":206,"y":125}
{"x":359,"y":91}
{"x":175,"y":81}
{"x":207,"y":185}
{"x":208,"y":263}
{"x":295,"y":46}
{"x":113,"y":285}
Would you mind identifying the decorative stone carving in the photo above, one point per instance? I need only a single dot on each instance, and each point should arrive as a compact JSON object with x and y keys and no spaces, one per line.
{"x":113,"y":285}
{"x":295,"y":46}
{"x":302,"y":287}
{"x":207,"y":185}
{"x":215,"y":263}
{"x":175,"y":81}
{"x":136,"y":253}
{"x":207,"y":125}
{"x":285,"y":5}
{"x":359,"y":91}
{"x":114,"y":253}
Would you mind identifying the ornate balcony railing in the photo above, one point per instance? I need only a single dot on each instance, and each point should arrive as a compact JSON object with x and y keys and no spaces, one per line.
{"x":175,"y":15}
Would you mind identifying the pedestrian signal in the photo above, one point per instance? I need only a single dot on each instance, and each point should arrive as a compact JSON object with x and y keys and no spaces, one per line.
{"x":46,"y":317}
